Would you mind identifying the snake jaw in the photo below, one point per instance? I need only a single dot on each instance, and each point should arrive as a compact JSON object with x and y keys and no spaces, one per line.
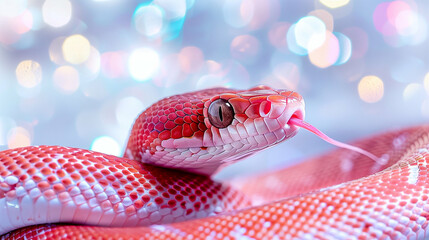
{"x":176,"y":132}
{"x":292,"y":129}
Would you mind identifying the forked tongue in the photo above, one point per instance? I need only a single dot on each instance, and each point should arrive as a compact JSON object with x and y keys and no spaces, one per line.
{"x":301,"y":123}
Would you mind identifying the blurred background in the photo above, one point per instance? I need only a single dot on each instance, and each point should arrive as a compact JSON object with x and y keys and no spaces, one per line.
{"x":77,"y":73}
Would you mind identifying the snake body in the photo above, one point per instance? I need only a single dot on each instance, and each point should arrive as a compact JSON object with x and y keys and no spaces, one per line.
{"x":338,"y":195}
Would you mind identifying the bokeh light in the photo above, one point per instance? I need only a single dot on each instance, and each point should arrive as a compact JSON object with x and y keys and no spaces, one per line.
{"x":8,"y":37}
{"x":277,"y":34}
{"x":419,"y":30}
{"x":76,"y":49}
{"x":413,"y":92}
{"x":106,"y":144}
{"x":325,"y":16}
{"x":23,"y":23}
{"x":238,"y":13}
{"x":407,"y":22}
{"x":57,"y":13}
{"x":56,"y":51}
{"x":28,"y":73}
{"x":191,"y":59}
{"x":143,"y":63}
{"x":213,"y":67}
{"x":326,"y":54}
{"x":345,"y":48}
{"x":381,"y":21}
{"x":114,"y":64}
{"x":18,"y":137}
{"x":66,"y":79}
{"x":334,"y":3}
{"x":37,"y":23}
{"x":400,"y":23}
{"x":310,"y":32}
{"x":426,"y":82}
{"x":148,"y":20}
{"x":371,"y":89}
{"x":292,"y":42}
{"x":93,"y":62}
{"x":244,"y":47}
{"x":12,"y":8}
{"x":264,"y":13}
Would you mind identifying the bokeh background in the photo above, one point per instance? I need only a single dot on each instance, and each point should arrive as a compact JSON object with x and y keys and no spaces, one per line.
{"x":77,"y":73}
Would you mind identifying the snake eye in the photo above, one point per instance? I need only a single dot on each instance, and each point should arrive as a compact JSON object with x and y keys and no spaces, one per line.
{"x":220,"y":113}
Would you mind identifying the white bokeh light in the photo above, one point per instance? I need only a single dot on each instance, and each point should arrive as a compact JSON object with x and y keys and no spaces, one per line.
{"x":12,"y":8}
{"x":327,"y":54}
{"x":413,"y":92}
{"x":334,"y":3}
{"x":148,"y":20}
{"x":76,"y":49}
{"x":29,"y":73}
{"x":143,"y":63}
{"x":292,"y":43}
{"x":310,"y":32}
{"x":57,"y":13}
{"x":106,"y":144}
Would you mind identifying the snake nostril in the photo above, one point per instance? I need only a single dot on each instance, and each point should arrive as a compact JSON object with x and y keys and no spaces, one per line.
{"x":265,"y":108}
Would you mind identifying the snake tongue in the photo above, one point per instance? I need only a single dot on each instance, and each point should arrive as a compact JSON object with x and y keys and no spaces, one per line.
{"x":301,"y":123}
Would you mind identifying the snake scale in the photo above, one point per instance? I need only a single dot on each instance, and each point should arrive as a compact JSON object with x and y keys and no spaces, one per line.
{"x":161,"y":188}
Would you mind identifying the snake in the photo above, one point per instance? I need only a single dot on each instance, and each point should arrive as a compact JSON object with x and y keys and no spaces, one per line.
{"x":163,"y":187}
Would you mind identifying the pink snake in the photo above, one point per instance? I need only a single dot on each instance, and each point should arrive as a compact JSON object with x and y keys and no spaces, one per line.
{"x":46,"y":190}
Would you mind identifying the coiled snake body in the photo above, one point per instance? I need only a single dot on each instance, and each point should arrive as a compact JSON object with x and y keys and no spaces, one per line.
{"x":45,"y":190}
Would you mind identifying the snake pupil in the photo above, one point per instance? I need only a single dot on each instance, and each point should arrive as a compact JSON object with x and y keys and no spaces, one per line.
{"x":220,"y":113}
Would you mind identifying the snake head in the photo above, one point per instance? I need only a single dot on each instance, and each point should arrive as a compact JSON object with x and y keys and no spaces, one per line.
{"x":206,"y":130}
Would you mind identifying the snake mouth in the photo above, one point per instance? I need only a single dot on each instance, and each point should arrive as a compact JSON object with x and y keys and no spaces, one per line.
{"x":299,"y":113}
{"x":289,"y":127}
{"x":277,"y":112}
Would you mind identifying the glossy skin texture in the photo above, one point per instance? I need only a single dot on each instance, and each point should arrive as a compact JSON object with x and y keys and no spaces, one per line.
{"x":55,"y":184}
{"x":49,"y":184}
{"x":176,"y":132}
{"x":58,"y":184}
{"x":340,"y":195}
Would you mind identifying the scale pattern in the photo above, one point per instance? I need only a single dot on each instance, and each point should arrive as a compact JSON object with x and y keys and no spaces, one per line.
{"x":58,"y":184}
{"x":316,"y":173}
{"x":392,"y":203}
{"x":339,"y":195}
{"x":176,"y":131}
